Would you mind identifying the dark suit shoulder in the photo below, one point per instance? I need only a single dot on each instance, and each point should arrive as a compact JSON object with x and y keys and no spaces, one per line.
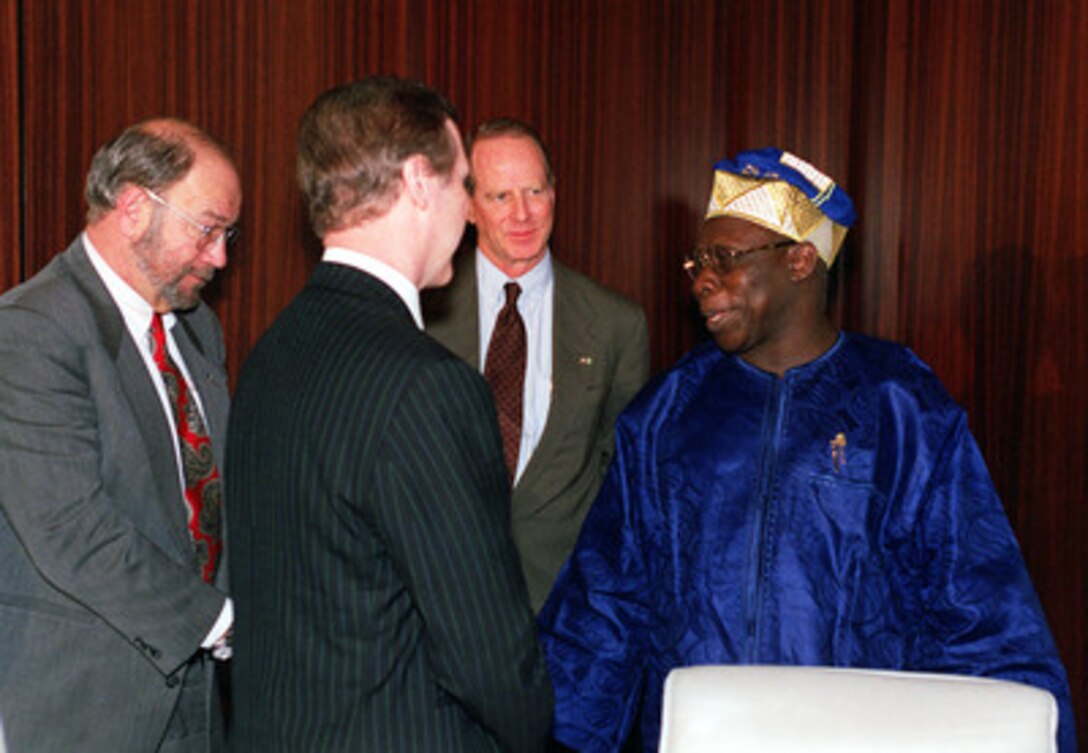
{"x":51,"y":292}
{"x":449,"y":379}
{"x":345,"y":335}
{"x":66,"y":296}
{"x":602,"y":298}
{"x":443,"y":307}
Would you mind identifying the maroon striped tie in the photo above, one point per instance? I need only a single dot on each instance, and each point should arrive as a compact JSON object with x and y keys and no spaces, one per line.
{"x":203,"y":488}
{"x":504,"y":370}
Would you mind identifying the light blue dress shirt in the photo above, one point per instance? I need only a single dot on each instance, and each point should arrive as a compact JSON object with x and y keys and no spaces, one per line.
{"x":535,"y":304}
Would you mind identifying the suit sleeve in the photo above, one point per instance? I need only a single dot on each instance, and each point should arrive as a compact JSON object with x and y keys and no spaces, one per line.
{"x":982,"y":615}
{"x":55,"y":498}
{"x":450,"y":532}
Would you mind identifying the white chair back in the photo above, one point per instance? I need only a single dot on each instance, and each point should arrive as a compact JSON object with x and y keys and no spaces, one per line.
{"x":772,"y":709}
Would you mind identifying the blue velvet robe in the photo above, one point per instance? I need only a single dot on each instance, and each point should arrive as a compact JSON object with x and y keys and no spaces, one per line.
{"x":842,"y":516}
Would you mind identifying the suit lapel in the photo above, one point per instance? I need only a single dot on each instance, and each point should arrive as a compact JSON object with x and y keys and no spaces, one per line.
{"x":140,"y":394}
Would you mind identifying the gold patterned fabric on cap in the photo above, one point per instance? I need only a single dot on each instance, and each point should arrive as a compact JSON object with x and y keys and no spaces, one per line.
{"x":781,"y":192}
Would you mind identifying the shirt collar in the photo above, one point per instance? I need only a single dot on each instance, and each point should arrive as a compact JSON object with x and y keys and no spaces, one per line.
{"x":135,"y":310}
{"x":533,"y":283}
{"x":400,"y":284}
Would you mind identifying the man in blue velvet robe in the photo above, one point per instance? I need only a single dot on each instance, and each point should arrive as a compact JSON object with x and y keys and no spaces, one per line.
{"x":786,"y":494}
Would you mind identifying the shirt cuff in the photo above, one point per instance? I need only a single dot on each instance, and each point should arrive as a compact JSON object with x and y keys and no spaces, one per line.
{"x":221,"y":626}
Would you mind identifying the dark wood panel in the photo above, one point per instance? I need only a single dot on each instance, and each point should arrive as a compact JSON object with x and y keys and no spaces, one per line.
{"x":1049,"y":448}
{"x":11,"y":219}
{"x":965,"y":152}
{"x":957,"y":128}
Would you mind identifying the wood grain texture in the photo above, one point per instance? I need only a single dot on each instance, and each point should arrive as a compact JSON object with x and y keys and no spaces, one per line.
{"x":11,"y":209}
{"x":957,"y":127}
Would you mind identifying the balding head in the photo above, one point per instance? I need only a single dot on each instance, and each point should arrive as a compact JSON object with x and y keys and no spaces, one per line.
{"x":153,"y":154}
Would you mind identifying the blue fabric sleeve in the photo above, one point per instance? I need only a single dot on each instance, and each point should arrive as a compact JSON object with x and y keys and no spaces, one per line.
{"x":594,"y":625}
{"x":983,"y":616}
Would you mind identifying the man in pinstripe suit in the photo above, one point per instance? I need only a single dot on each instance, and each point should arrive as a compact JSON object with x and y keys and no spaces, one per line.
{"x":379,"y":601}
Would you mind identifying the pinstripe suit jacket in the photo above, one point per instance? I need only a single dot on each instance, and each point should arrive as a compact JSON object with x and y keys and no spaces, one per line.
{"x":101,"y":600}
{"x":379,"y":602}
{"x":600,"y":359}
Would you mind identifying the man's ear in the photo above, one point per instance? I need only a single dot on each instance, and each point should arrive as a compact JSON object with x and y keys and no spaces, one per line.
{"x":802,"y":260}
{"x":418,"y":179}
{"x":134,"y":210}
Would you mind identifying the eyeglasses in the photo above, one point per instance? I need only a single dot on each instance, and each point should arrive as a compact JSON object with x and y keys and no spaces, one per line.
{"x":209,"y":234}
{"x":723,"y":259}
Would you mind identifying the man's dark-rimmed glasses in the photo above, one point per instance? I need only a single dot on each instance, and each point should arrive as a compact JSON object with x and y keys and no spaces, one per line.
{"x":723,"y":259}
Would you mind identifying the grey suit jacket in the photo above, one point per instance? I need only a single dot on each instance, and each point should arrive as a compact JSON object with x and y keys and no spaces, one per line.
{"x":600,"y":360}
{"x":379,"y":602}
{"x":101,"y":600}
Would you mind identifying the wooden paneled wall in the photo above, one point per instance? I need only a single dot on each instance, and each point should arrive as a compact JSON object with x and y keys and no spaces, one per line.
{"x":958,"y":127}
{"x":11,"y":225}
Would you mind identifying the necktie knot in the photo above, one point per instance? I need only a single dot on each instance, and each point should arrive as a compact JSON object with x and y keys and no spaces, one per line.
{"x":158,"y":335}
{"x":512,"y":290}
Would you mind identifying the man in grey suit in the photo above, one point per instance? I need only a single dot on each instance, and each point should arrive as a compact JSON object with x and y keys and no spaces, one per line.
{"x":111,"y":592}
{"x":587,"y":346}
{"x":380,"y":604}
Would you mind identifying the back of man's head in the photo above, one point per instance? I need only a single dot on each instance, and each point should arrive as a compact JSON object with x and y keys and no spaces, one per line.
{"x":354,"y":139}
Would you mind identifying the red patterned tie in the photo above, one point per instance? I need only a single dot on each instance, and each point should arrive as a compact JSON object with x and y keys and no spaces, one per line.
{"x":203,"y":488}
{"x":504,"y":370}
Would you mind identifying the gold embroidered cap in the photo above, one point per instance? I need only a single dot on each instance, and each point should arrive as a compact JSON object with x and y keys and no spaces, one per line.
{"x":783,"y":193}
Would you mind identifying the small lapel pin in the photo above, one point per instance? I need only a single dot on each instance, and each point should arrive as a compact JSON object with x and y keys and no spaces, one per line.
{"x":838,"y":451}
{"x":585,"y":360}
